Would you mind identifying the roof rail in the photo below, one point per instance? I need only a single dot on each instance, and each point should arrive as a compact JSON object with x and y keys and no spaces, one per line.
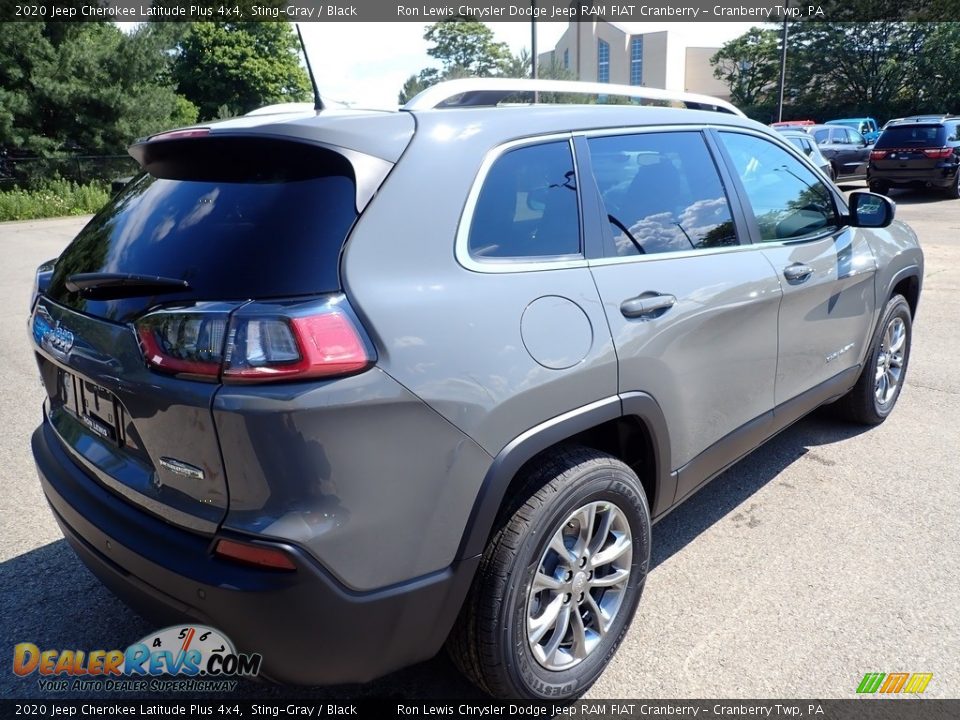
{"x":476,"y":92}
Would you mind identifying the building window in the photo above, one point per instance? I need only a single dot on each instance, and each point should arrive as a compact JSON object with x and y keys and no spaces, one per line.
{"x":636,"y":61}
{"x":566,"y":59}
{"x":603,"y":61}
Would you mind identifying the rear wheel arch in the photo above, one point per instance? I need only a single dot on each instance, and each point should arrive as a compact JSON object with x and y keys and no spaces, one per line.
{"x":630,"y":427}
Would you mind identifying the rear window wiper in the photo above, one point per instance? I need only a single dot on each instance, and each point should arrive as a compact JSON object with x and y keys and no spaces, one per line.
{"x":117,"y":285}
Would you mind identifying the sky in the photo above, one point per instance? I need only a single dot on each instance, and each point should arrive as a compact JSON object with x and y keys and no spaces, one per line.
{"x":367,"y":63}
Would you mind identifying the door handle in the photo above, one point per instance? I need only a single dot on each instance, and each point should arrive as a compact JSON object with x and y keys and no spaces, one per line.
{"x":797,"y":273}
{"x":647,"y":305}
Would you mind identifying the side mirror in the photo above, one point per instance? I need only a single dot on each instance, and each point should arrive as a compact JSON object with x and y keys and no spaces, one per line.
{"x":870,"y":210}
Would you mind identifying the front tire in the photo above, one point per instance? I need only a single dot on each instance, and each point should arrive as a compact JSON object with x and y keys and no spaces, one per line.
{"x":559,"y":581}
{"x":874,"y":396}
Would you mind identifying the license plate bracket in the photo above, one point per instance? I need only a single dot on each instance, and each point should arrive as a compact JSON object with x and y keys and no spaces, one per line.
{"x":93,"y":405}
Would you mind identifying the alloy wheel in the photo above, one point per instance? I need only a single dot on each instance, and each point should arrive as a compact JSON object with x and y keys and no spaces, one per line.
{"x":890,"y":361}
{"x":579,"y":585}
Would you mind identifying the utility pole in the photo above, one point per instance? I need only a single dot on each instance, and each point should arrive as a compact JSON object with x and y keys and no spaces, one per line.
{"x":533,"y":46}
{"x":783,"y":66}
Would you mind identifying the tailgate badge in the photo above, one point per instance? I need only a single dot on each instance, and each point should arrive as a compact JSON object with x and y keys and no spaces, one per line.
{"x":181,"y":468}
{"x":50,"y":333}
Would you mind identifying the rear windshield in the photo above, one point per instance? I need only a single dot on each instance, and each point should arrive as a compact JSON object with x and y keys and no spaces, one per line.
{"x":236,"y":219}
{"x":913,"y":136}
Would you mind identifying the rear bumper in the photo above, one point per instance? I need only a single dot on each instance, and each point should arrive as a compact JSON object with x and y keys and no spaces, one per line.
{"x":309,"y":629}
{"x":936,"y":177}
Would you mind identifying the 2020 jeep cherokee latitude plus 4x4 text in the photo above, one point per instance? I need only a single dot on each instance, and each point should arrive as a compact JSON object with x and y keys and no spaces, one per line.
{"x":370,"y":382}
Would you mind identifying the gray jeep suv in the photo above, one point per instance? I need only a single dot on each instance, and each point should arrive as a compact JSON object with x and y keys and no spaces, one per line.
{"x":353,"y":385}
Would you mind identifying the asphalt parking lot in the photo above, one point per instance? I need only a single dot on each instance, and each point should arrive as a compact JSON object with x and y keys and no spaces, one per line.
{"x":828,"y":553}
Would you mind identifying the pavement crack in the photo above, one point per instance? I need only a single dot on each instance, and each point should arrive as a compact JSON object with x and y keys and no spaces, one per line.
{"x":931,"y":387}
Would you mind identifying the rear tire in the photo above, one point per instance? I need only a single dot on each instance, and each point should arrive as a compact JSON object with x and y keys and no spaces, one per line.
{"x":874,"y":396}
{"x":880,"y":187}
{"x":953,"y":192}
{"x":559,"y":581}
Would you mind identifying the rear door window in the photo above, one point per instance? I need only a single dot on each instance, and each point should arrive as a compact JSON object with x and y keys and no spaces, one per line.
{"x":528,"y":206}
{"x":661,"y":193}
{"x":854,"y":138}
{"x":236,"y":220}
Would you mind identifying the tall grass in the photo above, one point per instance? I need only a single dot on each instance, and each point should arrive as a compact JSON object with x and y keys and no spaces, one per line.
{"x":53,"y":198}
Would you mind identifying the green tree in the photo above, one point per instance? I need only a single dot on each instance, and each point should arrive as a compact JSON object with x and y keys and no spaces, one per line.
{"x":465,"y":48}
{"x":413,"y":86}
{"x":241,"y":66}
{"x":863,"y":68}
{"x":876,"y":68}
{"x":936,"y":87}
{"x":519,"y":65}
{"x":465,"y":43}
{"x":749,"y":65}
{"x":82,"y":87}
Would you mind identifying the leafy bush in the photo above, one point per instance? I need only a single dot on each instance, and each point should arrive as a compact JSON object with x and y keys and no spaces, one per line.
{"x":53,"y":198}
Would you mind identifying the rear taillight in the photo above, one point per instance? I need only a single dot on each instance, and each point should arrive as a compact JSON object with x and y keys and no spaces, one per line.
{"x":938,"y":153}
{"x":311,"y":346}
{"x":259,"y":343}
{"x":878,"y":154}
{"x":189,"y":343}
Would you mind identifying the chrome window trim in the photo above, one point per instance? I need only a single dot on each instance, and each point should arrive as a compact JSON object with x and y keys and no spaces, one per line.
{"x":671,"y":255}
{"x":511,"y":265}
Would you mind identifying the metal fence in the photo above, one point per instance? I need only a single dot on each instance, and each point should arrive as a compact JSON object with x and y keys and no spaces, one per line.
{"x":31,"y":172}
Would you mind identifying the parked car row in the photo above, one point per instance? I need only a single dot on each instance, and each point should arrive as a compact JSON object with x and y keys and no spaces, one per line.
{"x":918,"y":151}
{"x":844,"y":148}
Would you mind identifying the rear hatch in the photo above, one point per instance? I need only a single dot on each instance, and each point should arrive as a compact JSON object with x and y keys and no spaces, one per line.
{"x":130,"y":327}
{"x":907,"y":150}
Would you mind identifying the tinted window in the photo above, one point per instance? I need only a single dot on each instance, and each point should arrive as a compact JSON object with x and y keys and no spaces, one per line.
{"x":904,"y":136}
{"x":269,"y":225}
{"x":802,"y":143}
{"x":854,"y":137}
{"x":787,"y":199}
{"x":822,"y":135}
{"x":661,"y":193}
{"x":528,"y":205}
